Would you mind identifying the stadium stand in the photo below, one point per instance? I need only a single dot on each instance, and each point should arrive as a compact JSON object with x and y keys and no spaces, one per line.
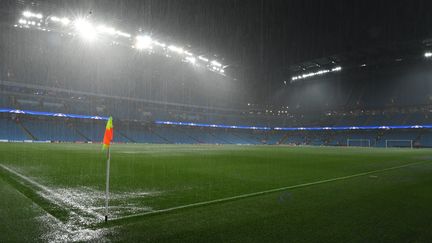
{"x":69,"y":130}
{"x":48,"y":130}
{"x":11,"y":131}
{"x":136,"y":118}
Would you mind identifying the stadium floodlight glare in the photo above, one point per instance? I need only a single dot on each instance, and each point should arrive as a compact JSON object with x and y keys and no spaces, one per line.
{"x":106,"y":30}
{"x":191,"y":59}
{"x":216,"y":63}
{"x":29,"y":14}
{"x":63,"y":21}
{"x":163,"y":45}
{"x":179,"y":50}
{"x":428,"y":54}
{"x":111,"y":31}
{"x":85,"y":29}
{"x":22,"y":21}
{"x":336,"y":69}
{"x":123,"y":34}
{"x":143,"y":42}
{"x":89,"y":30}
{"x":319,"y":72}
{"x":203,"y":59}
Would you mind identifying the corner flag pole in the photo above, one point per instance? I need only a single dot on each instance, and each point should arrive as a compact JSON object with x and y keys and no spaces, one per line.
{"x":107,"y":184}
{"x":108,"y":136}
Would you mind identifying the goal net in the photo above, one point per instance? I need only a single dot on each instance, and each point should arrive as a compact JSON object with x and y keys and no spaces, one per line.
{"x":399,"y":143}
{"x":358,"y":142}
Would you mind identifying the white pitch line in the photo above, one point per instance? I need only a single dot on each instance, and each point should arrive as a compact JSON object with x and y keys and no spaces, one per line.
{"x":156,"y":151}
{"x":56,"y":196}
{"x":264,"y":192}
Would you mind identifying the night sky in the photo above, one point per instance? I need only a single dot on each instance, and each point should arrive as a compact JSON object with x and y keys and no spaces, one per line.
{"x":261,"y":39}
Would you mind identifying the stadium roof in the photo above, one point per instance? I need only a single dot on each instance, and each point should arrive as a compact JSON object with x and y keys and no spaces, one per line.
{"x":265,"y":41}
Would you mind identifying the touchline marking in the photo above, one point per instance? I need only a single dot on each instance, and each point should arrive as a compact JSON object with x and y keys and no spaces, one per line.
{"x":262,"y":192}
{"x":57,"y":198}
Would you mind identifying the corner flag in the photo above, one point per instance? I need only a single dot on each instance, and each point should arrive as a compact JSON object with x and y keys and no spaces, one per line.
{"x":108,"y":137}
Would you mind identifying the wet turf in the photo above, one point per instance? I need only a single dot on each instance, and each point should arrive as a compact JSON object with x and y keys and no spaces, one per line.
{"x":383,"y":206}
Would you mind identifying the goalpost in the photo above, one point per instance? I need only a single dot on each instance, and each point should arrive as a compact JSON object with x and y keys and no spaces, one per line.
{"x":399,"y":143}
{"x":358,"y":142}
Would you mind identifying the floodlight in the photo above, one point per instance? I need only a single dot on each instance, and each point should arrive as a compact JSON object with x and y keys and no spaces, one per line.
{"x":106,"y":30}
{"x":90,"y":31}
{"x":29,"y":14}
{"x":159,"y":44}
{"x":85,"y":29}
{"x":335,"y":69}
{"x":216,"y":63}
{"x":191,"y":59}
{"x":319,"y":72}
{"x":123,"y":34}
{"x":65,"y":21}
{"x":203,"y":59}
{"x":428,"y":54}
{"x":179,"y":50}
{"x":143,"y":42}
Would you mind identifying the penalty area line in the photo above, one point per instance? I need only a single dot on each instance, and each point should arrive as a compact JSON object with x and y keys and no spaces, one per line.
{"x":119,"y":220}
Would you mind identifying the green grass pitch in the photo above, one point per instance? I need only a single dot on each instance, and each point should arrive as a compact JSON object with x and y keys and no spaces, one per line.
{"x":169,"y":193}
